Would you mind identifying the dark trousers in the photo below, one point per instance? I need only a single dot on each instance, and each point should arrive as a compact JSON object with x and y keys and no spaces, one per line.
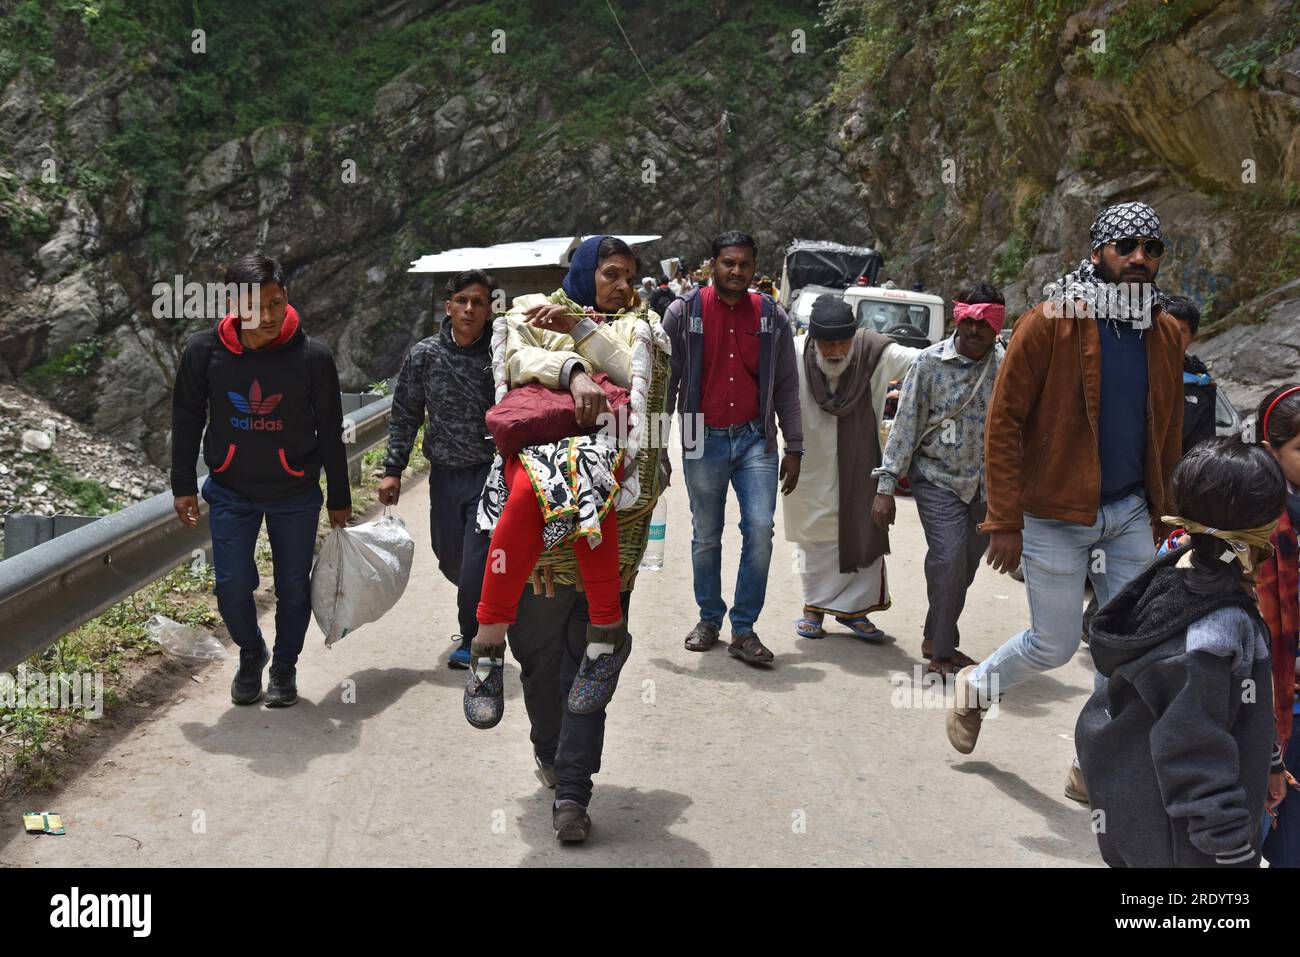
{"x":1282,"y":843}
{"x":548,"y":640}
{"x":291,"y":526}
{"x":955,"y":547}
{"x":453,"y":526}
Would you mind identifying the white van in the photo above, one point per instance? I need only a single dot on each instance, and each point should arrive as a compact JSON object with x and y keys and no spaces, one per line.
{"x":883,"y":309}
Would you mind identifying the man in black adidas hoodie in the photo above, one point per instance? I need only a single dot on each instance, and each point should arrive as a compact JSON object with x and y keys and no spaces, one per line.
{"x":1176,"y":744}
{"x":269,"y":399}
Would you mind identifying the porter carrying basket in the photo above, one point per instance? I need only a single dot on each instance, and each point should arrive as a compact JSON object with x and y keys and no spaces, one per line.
{"x":650,"y":353}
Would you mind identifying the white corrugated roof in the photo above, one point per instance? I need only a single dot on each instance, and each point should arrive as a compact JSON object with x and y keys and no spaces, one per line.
{"x":551,"y":251}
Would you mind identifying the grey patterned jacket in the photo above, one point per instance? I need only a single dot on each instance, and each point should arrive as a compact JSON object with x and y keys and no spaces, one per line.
{"x":453,"y":384}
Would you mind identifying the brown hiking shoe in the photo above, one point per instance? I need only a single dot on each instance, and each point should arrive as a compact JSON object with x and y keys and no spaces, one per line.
{"x":964,"y":717}
{"x":1075,"y":789}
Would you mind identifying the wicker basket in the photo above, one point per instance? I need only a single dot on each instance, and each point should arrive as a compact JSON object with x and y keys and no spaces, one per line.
{"x":558,"y":565}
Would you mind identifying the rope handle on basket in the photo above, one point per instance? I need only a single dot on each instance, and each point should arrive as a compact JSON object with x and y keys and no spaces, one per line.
{"x":559,"y":298}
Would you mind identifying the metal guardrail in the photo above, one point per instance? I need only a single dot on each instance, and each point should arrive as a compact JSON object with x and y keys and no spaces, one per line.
{"x":51,"y":589}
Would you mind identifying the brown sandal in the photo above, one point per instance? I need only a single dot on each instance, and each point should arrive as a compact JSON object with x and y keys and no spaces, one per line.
{"x":702,"y":637}
{"x":962,"y":659}
{"x":748,"y":648}
{"x":943,"y":667}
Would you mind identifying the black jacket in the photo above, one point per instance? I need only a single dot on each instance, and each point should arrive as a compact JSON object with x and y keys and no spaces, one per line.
{"x":1175,"y":746}
{"x":454,"y":385}
{"x":1199,"y":395}
{"x":273,"y":416}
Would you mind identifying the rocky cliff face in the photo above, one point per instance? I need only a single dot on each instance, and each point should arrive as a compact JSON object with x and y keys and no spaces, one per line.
{"x":457,"y":144}
{"x":1191,"y":106}
{"x":970,"y":139}
{"x":51,"y":464}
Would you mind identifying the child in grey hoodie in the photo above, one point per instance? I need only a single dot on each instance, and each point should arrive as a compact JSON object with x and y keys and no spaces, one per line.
{"x":1175,"y":746}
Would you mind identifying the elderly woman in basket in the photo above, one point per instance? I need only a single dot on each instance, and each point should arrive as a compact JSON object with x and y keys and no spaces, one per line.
{"x":559,"y":495}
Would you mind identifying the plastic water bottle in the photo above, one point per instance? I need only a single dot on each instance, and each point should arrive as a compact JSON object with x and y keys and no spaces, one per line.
{"x":653,"y":560}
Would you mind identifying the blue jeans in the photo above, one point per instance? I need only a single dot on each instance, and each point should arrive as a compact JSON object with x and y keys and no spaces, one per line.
{"x":291,"y":527}
{"x":1056,"y":559}
{"x":734,"y":455}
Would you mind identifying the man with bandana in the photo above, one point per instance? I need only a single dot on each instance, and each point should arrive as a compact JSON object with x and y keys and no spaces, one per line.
{"x":844,"y":373}
{"x":937,"y":443}
{"x":1084,"y":431}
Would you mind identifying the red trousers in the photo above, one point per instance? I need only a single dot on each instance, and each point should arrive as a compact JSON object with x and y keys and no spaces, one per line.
{"x":517,"y":544}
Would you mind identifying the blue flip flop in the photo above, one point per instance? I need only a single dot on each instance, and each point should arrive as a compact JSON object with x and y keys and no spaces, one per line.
{"x":862,"y":627}
{"x":809,"y":628}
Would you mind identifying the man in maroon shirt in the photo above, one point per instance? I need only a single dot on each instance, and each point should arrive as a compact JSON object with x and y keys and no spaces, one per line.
{"x":733,"y":367}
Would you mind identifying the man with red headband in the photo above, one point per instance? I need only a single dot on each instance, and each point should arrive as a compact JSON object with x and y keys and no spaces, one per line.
{"x":1084,"y":430}
{"x":937,"y":441}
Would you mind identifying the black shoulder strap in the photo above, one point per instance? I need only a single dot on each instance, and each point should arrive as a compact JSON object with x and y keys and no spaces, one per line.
{"x":212,"y":343}
{"x":311,"y":380}
{"x":694,"y":304}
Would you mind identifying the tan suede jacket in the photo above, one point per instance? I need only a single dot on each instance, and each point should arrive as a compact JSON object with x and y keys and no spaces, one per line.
{"x":1040,"y":443}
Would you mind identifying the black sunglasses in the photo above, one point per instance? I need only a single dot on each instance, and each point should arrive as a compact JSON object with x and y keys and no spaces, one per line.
{"x":1154,"y":248}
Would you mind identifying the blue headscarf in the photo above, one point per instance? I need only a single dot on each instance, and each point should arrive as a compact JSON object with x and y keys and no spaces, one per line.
{"x":580,"y":283}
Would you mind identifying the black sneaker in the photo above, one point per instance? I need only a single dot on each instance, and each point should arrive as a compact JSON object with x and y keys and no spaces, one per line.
{"x":572,"y":825}
{"x":282,"y":689}
{"x":247,"y":686}
{"x":485,"y":698}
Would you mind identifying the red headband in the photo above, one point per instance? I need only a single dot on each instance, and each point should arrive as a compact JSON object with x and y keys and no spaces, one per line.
{"x":991,"y":312}
{"x":1269,"y":410}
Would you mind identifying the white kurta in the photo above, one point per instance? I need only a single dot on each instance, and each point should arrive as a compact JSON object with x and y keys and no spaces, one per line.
{"x":812,"y":510}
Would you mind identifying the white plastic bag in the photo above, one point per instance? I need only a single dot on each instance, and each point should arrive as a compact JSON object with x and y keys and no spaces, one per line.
{"x":359,"y":574}
{"x":194,"y":646}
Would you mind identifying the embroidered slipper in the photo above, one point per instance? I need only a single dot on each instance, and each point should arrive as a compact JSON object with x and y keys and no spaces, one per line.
{"x":594,"y":684}
{"x":484,"y":701}
{"x":862,"y":627}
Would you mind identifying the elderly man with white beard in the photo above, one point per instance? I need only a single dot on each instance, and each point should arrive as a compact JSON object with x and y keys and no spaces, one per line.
{"x":844,"y":373}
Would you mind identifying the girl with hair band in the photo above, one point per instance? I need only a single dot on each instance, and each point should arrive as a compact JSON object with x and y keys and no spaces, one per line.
{"x":1176,"y":744}
{"x":1278,"y":421}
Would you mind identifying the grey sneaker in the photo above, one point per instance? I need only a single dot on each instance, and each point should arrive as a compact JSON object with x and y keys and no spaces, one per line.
{"x":572,"y":825}
{"x":545,"y":772}
{"x":702,"y":637}
{"x":485,"y":700}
